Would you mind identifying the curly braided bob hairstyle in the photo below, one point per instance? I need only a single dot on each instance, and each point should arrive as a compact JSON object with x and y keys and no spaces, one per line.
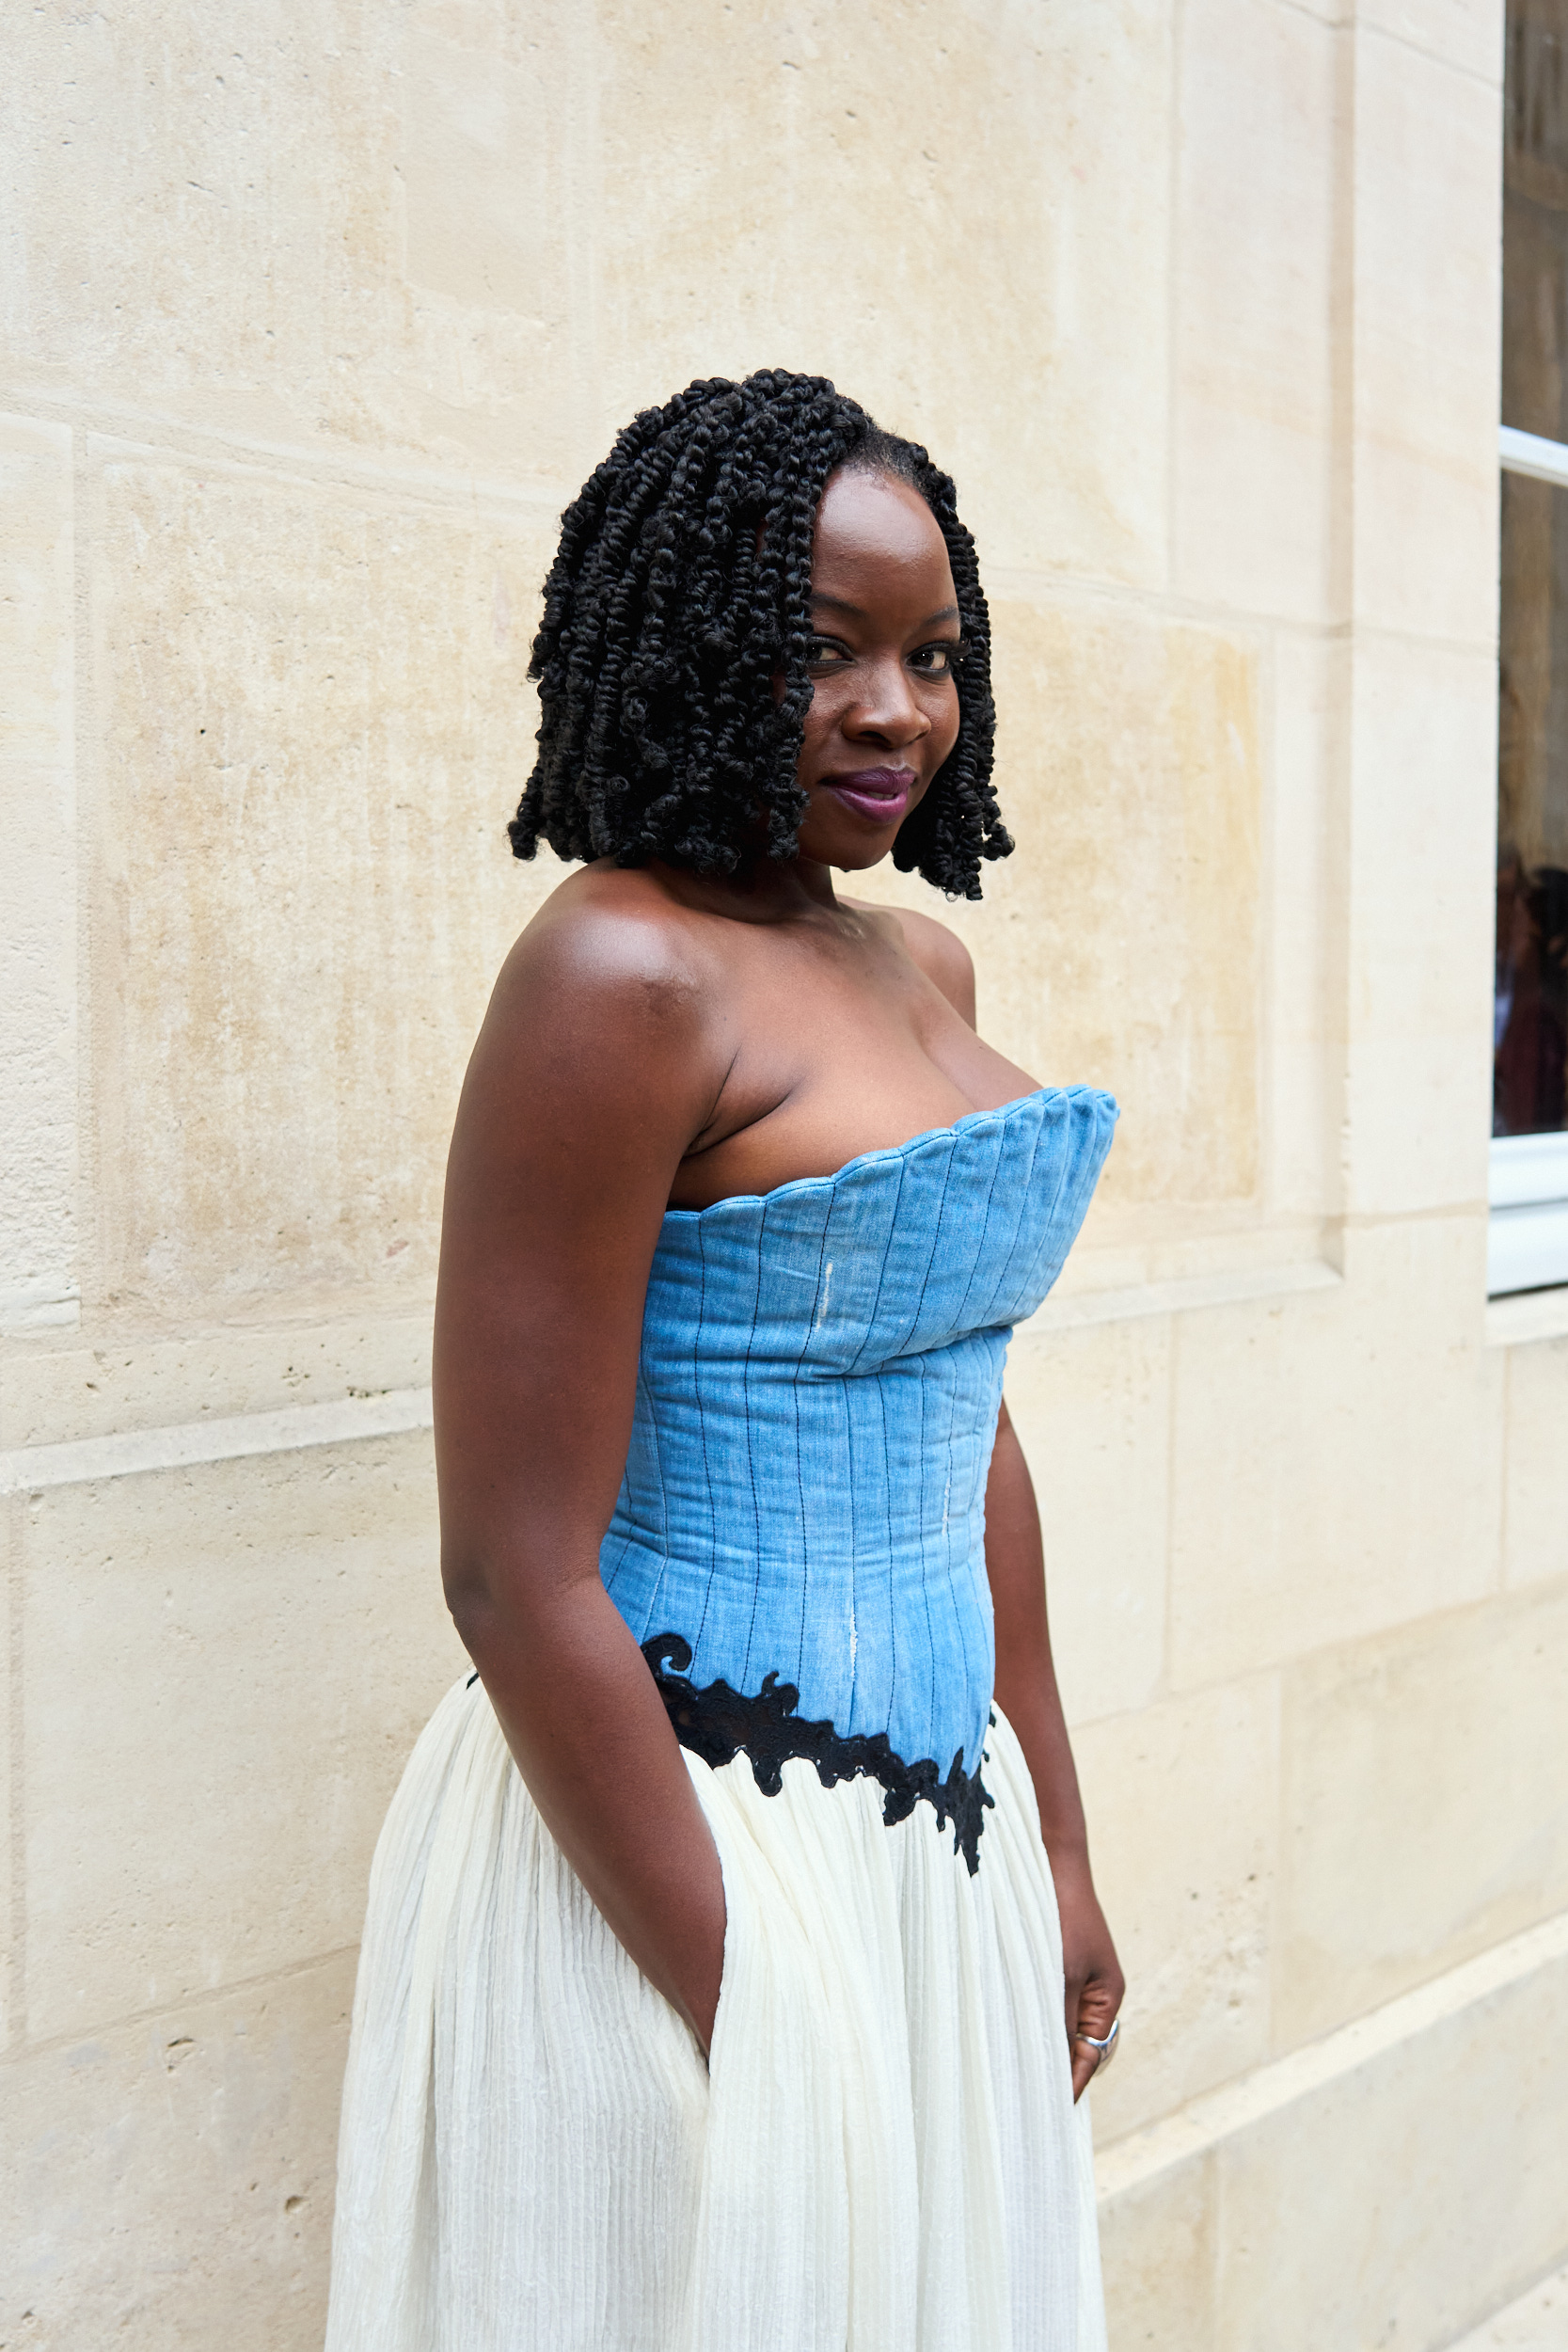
{"x":679,"y":593}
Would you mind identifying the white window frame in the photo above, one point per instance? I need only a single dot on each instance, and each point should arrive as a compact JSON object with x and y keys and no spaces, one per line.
{"x":1527,"y":1236}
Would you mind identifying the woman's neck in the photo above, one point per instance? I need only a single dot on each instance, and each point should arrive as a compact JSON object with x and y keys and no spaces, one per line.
{"x":765,"y":891}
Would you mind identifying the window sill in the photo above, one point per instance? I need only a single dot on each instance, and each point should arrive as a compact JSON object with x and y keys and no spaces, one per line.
{"x":1526,"y":1248}
{"x":1527,"y":1315}
{"x":1528,"y":1245}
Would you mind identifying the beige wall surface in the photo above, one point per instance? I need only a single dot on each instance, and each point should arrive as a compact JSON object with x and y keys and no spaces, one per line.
{"x":310,"y":321}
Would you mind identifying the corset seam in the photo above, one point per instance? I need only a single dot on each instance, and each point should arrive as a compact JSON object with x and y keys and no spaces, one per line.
{"x":717,"y":1722}
{"x":750,"y":1441}
{"x":850,"y":1369}
{"x":795,"y":1401}
{"x":701,"y":1420}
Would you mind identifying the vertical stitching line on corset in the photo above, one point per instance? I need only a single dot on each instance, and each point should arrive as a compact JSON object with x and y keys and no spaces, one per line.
{"x":996,"y":1166}
{"x":1088,"y":1166}
{"x":663,"y":1502}
{"x":887,"y":1537}
{"x":1024,"y":1192}
{"x":882,"y":1274}
{"x":925,"y":1583}
{"x":931,"y":1252}
{"x":887,"y":1466}
{"x":751,"y":1451}
{"x":850,"y":1456}
{"x":701,"y":1433}
{"x":985,"y":1229}
{"x":878,"y":1376}
{"x":980,"y":1573}
{"x":1085,"y":1172}
{"x":952,"y":1599}
{"x":794,"y":1399}
{"x":641,"y":1387}
{"x":1070,"y":1167}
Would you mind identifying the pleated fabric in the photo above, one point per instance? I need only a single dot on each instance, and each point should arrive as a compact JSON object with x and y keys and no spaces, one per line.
{"x":884,"y":2156}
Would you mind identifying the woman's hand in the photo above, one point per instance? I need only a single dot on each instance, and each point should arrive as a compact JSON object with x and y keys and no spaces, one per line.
{"x":1090,"y":1970}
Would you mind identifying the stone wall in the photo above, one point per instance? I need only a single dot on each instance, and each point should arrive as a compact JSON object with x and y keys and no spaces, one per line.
{"x":312,"y":319}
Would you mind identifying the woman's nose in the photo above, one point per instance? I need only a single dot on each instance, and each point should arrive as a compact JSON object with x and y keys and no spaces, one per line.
{"x":888,"y":706}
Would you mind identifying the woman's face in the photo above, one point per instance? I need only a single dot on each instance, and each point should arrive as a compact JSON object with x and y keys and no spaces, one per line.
{"x":884,"y":706}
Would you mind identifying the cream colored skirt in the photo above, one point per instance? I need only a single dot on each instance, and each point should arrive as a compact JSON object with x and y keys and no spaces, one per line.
{"x":884,"y":2157}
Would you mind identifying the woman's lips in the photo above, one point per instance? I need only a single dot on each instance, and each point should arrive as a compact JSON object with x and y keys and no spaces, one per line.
{"x":879,"y":794}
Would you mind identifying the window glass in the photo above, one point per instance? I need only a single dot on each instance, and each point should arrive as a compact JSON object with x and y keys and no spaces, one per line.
{"x":1530,"y":1091}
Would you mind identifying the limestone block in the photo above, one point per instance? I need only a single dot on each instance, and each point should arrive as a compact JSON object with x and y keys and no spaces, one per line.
{"x":1424,"y":1771}
{"x":487,"y":235}
{"x":962,"y":219}
{"x":37,"y":878}
{"x":1184,"y":1807}
{"x":168,"y":2183}
{"x":1422,"y":915}
{"x":241,"y":228}
{"x":1337,"y":1457}
{"x":1433,"y":2176}
{"x":317,"y":725}
{"x":1092,"y":1407}
{"x":1304,"y":1051}
{"x":1119,"y":946}
{"x":1158,"y":2260}
{"x":131,"y":1379}
{"x":1535,"y":1526}
{"x":1389,"y":2184}
{"x":1427,"y":269}
{"x":227,"y":1668}
{"x":1536,"y":2322}
{"x":10,"y":1919}
{"x":1465,"y":32}
{"x":481,"y":149}
{"x":495,"y":179}
{"x":1253,"y":288}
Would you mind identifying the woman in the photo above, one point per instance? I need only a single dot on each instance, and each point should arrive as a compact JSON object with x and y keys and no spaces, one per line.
{"x":712,"y":1989}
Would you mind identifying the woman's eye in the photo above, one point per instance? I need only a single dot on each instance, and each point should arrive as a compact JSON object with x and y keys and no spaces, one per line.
{"x":938,"y":660}
{"x":824,"y":652}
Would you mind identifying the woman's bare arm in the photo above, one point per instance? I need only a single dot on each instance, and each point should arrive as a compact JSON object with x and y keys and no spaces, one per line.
{"x":1025,"y":1671}
{"x":1027,"y":1696}
{"x":593,"y":1072}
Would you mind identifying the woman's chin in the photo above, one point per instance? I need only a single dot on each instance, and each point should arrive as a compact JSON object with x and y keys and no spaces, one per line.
{"x":851,"y":849}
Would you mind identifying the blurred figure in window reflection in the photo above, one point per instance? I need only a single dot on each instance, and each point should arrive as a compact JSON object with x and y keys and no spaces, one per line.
{"x":1529,"y":1092}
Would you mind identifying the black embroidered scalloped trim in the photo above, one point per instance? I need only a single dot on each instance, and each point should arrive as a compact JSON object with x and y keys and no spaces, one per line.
{"x":717,"y":1725}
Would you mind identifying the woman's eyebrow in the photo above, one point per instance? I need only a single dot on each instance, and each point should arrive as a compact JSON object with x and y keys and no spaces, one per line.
{"x":842,"y":604}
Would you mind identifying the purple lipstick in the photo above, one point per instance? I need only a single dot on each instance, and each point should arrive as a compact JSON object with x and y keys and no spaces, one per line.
{"x":881,"y":795}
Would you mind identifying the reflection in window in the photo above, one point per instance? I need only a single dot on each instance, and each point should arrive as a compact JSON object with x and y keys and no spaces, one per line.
{"x":1530,"y":1091}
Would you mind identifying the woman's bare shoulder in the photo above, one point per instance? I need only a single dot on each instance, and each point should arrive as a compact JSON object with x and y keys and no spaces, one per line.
{"x":610,"y":969}
{"x":612,"y":930}
{"x":940,"y":953}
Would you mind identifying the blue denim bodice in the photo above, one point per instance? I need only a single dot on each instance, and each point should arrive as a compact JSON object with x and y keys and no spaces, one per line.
{"x":803,"y":1502}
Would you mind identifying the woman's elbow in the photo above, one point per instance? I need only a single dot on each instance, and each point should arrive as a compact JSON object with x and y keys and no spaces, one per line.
{"x":473,"y":1596}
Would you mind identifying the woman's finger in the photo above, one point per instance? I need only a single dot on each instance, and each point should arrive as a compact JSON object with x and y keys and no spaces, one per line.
{"x":1093,"y":2008}
{"x":1097,"y":2003}
{"x":1073,"y":1988}
{"x":1084,"y":2061}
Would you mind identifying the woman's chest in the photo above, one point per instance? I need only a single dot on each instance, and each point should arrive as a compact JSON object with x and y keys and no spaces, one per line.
{"x":832,"y":1060}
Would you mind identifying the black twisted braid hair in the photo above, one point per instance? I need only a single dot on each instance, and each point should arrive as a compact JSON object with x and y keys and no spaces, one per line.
{"x":678,"y":593}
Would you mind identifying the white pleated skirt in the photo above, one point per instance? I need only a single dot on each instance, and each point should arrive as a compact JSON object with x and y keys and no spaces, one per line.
{"x":884,"y":2155}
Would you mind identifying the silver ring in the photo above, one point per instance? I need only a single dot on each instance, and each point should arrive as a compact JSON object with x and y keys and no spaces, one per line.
{"x":1105,"y":2047}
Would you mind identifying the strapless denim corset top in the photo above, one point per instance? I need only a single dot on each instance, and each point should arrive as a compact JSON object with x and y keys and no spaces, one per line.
{"x":799,"y":1544}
